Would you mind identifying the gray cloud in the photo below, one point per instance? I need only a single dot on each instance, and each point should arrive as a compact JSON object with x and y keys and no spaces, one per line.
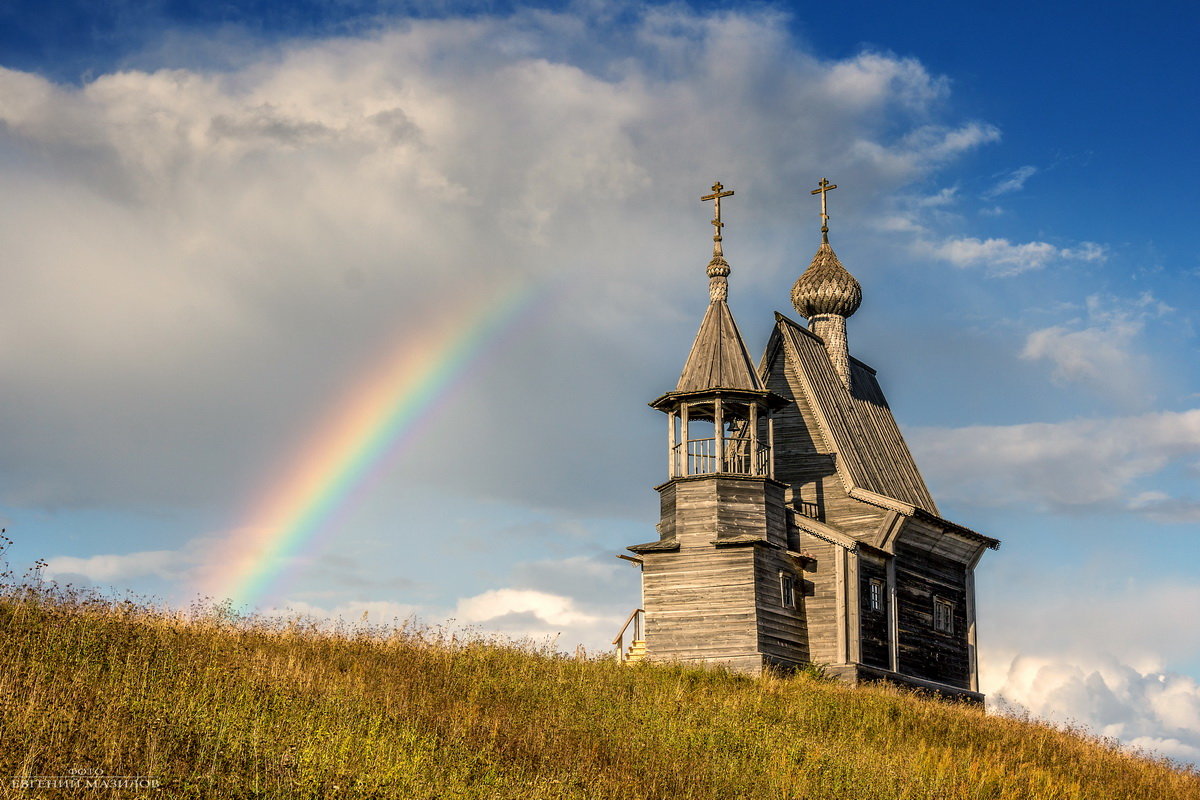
{"x":1078,"y":465}
{"x":1099,"y":349}
{"x":200,"y":263}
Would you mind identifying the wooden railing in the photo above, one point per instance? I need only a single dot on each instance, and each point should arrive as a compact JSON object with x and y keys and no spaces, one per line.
{"x":702,"y":456}
{"x":637,"y":618}
{"x":810,"y":510}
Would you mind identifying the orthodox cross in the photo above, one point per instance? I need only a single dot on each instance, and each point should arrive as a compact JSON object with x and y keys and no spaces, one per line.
{"x":717,"y":224}
{"x":823,"y":188}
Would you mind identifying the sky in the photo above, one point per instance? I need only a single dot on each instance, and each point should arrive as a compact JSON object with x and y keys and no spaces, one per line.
{"x":353,"y":309}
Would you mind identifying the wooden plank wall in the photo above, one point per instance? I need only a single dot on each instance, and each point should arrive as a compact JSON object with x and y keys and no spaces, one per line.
{"x":700,"y":605}
{"x":701,"y":601}
{"x":666,"y":505}
{"x":854,"y":517}
{"x":876,"y":645}
{"x":743,"y":507}
{"x":782,"y":633}
{"x":820,"y":607}
{"x":923,"y":651}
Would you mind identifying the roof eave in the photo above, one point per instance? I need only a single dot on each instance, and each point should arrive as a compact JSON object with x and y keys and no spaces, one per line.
{"x":954,"y":527}
{"x":773,"y":400}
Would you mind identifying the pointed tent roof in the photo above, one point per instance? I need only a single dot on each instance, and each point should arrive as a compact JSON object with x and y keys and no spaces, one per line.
{"x":719,"y":359}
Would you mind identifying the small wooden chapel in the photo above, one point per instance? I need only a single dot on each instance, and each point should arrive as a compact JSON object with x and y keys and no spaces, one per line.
{"x":795,"y":526}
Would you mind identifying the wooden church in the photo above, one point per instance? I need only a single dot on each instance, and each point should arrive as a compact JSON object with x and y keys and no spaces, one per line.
{"x":796,"y":527}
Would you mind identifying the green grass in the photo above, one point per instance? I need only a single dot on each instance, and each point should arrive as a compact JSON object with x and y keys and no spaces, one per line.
{"x":219,"y":707}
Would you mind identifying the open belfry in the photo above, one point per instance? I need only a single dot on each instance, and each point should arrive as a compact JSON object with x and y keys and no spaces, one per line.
{"x":796,"y":527}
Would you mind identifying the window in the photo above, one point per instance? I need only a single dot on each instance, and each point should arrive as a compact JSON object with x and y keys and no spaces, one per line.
{"x":787,"y":590}
{"x":875,"y":596}
{"x":943,"y":615}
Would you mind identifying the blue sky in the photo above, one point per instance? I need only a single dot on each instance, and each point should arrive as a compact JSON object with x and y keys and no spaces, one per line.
{"x":217,"y":215}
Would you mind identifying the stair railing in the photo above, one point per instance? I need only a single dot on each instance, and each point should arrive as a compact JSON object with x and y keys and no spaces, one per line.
{"x":636,"y":618}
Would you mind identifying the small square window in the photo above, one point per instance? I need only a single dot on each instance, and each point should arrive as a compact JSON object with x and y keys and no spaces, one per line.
{"x":787,"y":590}
{"x":875,"y":596}
{"x":943,"y":615}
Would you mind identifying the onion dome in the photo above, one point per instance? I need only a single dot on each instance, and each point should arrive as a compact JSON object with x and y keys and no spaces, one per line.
{"x":826,"y":287}
{"x":718,"y":274}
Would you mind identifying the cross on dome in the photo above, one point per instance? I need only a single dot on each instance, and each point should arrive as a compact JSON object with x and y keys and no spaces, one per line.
{"x":716,"y":221}
{"x":718,"y":267}
{"x":823,"y":189}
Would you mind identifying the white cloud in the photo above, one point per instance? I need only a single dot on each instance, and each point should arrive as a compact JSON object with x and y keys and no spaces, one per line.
{"x":1099,"y":350}
{"x":550,"y":609}
{"x":873,"y":79}
{"x":511,"y":613}
{"x":529,"y":613}
{"x":1001,"y":257}
{"x":922,"y":149}
{"x":167,"y":564}
{"x":1058,"y":466}
{"x":947,"y":196}
{"x":1078,"y":611}
{"x":1013,"y":182}
{"x":1161,"y":507}
{"x":1086,"y":251}
{"x":1089,"y":354}
{"x":1094,"y":652}
{"x":1151,"y":710}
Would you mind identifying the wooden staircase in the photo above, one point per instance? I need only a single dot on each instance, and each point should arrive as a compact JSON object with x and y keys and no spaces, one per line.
{"x":637,"y":649}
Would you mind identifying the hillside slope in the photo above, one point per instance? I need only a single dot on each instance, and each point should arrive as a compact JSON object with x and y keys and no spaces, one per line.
{"x":215,"y":707}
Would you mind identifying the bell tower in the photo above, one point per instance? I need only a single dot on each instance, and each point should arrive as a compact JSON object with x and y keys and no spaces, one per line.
{"x":720,"y":584}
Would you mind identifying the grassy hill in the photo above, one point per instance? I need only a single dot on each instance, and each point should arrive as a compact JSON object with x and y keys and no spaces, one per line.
{"x":216,"y":707}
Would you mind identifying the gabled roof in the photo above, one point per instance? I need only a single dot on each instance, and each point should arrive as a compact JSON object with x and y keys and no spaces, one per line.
{"x":856,"y":423}
{"x":719,"y":359}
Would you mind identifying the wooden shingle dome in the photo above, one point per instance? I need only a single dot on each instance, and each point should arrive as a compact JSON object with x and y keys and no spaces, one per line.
{"x":826,"y":287}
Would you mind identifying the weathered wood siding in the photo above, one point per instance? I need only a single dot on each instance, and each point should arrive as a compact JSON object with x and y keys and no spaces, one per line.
{"x":875,"y":645}
{"x":666,"y":505}
{"x":782,"y":636}
{"x":921,"y":576}
{"x":724,"y":506}
{"x":701,"y":601}
{"x":700,"y":604}
{"x":820,"y":606}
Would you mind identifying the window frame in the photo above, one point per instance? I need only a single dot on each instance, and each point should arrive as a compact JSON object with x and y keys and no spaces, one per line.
{"x":875,"y":595}
{"x":943,"y":615}
{"x":787,"y":589}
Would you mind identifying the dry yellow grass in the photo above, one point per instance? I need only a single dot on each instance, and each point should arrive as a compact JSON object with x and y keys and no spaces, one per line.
{"x":218,"y":707}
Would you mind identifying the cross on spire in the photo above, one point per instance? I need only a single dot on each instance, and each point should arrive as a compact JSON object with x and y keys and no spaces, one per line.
{"x":823,"y":188}
{"x":717,"y":224}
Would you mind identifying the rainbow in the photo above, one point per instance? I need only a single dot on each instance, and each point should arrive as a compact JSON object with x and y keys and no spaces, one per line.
{"x":353,"y":449}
